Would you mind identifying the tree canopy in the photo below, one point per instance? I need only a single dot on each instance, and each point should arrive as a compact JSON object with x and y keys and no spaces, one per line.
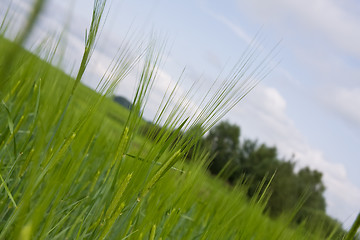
{"x":254,"y":163}
{"x":251,"y":163}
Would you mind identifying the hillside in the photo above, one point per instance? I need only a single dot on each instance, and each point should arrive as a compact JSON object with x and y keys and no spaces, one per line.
{"x":73,"y":167}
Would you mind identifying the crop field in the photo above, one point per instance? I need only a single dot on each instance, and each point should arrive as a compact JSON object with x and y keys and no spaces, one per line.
{"x":74,"y":166}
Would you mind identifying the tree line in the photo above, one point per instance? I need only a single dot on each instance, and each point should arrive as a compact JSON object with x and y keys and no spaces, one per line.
{"x":290,"y":190}
{"x":254,"y":164}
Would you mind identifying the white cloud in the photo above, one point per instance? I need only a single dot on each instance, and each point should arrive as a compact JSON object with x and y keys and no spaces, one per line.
{"x":214,"y":60}
{"x":345,"y":102}
{"x":236,"y":29}
{"x":182,"y":98}
{"x":265,"y":108}
{"x":325,"y":18}
{"x":310,"y":29}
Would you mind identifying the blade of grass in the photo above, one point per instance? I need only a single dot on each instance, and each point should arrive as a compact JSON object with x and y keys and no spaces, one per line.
{"x":354,"y":228}
{"x":3,"y":183}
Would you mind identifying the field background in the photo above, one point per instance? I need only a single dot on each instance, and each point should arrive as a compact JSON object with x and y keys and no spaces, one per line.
{"x":74,"y":166}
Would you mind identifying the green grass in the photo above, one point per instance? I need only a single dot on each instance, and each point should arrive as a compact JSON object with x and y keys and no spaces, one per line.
{"x":65,"y":167}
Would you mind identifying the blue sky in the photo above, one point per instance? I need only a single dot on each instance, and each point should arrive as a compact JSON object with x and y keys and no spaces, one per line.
{"x":309,"y":104}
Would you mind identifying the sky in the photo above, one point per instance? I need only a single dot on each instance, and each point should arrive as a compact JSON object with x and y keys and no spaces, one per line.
{"x":308,"y":106}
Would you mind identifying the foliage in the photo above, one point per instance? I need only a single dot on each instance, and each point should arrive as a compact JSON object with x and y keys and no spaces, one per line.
{"x":224,"y":143}
{"x":123,"y":102}
{"x":70,"y":171}
{"x":255,"y":164}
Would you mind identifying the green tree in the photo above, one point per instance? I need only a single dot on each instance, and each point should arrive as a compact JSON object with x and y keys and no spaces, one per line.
{"x":310,"y":184}
{"x":284,"y":191}
{"x":256,"y":163}
{"x":223,"y":141}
